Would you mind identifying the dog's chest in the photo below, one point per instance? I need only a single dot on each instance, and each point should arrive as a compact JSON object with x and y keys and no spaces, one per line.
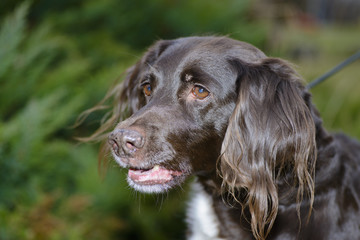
{"x":201,"y":218}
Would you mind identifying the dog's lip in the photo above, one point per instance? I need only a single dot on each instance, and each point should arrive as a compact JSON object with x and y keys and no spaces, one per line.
{"x":153,"y":176}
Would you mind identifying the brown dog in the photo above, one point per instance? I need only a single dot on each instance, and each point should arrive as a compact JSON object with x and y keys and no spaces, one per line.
{"x":244,"y":124}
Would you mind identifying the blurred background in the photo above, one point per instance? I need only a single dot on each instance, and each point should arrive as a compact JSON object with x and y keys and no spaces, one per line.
{"x":59,"y":57}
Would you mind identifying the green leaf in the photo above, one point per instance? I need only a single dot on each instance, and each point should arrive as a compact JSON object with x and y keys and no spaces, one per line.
{"x":11,"y":35}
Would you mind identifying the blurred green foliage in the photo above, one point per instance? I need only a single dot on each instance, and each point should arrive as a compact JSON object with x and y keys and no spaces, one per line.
{"x":48,"y":179}
{"x":58,"y":58}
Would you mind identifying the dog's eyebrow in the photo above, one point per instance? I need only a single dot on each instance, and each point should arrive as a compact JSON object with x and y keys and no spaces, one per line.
{"x":153,"y":70}
{"x":197,"y":75}
{"x":150,"y":74}
{"x":188,"y":77}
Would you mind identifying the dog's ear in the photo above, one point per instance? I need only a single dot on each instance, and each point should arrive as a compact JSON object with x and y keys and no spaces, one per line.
{"x":270,"y":130}
{"x":127,"y":95}
{"x":127,"y":98}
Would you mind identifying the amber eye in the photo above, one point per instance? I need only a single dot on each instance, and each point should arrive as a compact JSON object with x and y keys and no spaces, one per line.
{"x":147,"y":89}
{"x":200,"y":92}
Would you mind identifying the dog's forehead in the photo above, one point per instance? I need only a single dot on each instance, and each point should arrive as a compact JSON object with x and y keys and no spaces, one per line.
{"x":209,"y":53}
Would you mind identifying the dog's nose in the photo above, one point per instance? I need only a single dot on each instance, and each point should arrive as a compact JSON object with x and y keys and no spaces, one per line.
{"x":126,"y":141}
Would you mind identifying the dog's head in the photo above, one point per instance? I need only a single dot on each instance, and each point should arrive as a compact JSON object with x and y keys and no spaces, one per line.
{"x":220,"y":109}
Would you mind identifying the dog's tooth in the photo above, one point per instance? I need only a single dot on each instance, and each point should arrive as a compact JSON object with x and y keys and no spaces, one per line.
{"x":156,"y":167}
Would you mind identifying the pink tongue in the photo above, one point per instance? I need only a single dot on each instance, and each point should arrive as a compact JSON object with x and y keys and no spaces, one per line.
{"x":156,"y":175}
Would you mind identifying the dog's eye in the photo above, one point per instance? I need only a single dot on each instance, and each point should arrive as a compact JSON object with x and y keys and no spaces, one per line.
{"x":147,"y":89}
{"x":200,"y":92}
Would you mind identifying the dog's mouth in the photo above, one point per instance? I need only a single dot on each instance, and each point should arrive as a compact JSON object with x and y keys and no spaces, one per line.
{"x":157,"y":175}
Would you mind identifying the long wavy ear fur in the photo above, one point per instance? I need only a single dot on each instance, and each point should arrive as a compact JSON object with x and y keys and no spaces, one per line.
{"x":270,"y":130}
{"x":122,"y":107}
{"x":126,"y":97}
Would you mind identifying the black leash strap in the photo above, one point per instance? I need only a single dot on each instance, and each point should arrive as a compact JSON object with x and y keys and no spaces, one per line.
{"x":320,"y":79}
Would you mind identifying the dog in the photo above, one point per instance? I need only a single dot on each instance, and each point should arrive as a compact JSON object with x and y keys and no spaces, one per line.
{"x":244,"y":125}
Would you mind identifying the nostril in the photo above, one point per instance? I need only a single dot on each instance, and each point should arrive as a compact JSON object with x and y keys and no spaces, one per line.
{"x":114,"y":145}
{"x":125,"y":141}
{"x":130,"y":145}
{"x":133,"y":140}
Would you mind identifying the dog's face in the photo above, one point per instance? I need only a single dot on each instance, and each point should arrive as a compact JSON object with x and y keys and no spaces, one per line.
{"x":194,"y":101}
{"x":182,"y":94}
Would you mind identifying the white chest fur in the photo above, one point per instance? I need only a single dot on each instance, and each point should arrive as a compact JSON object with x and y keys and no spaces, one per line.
{"x":202,"y":220}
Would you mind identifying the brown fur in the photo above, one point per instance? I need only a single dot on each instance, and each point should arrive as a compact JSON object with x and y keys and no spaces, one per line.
{"x":256,"y":141}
